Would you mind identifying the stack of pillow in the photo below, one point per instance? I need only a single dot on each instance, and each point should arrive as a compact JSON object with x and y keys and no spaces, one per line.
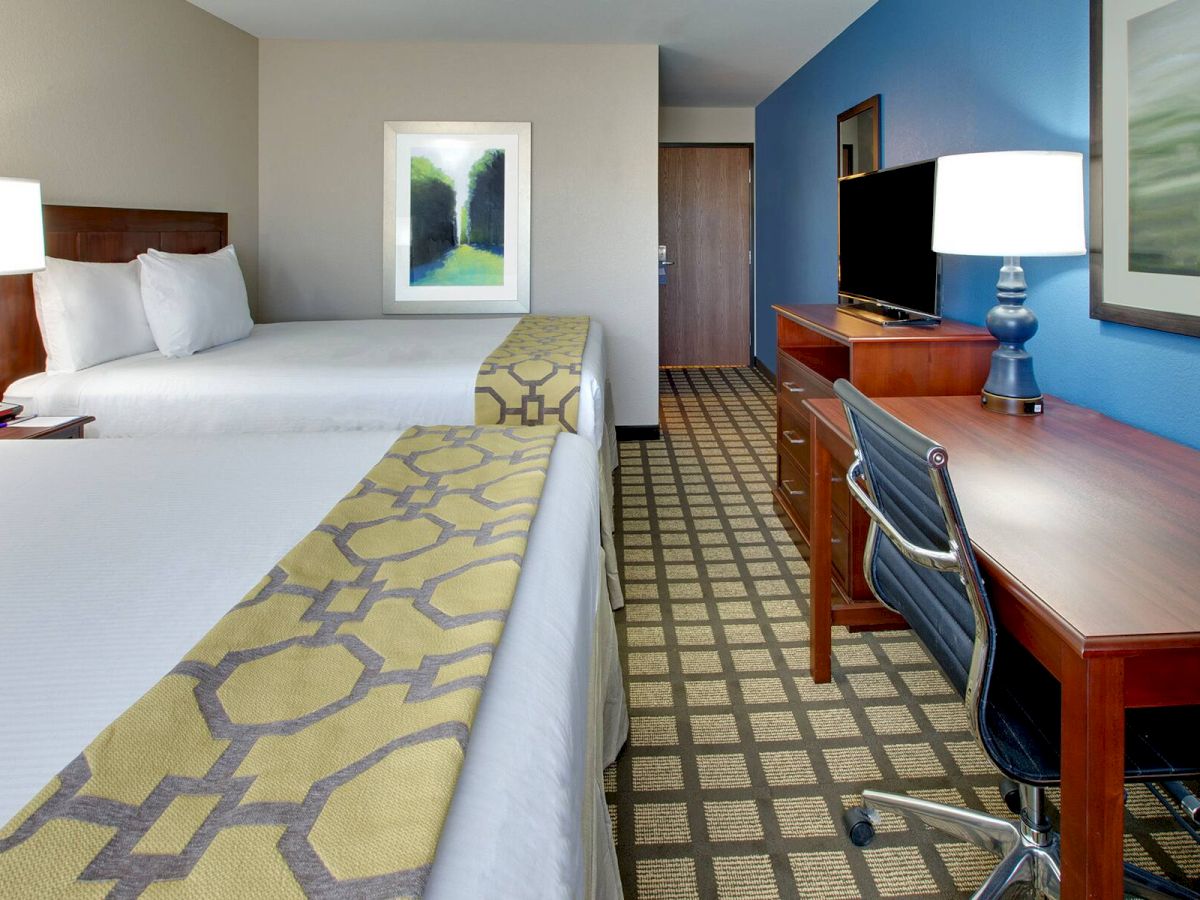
{"x":179,"y":303}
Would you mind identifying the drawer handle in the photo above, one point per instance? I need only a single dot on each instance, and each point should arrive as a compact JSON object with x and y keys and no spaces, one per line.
{"x":790,"y":437}
{"x":790,"y":492}
{"x":837,"y":479}
{"x":835,"y":540}
{"x":793,"y":387}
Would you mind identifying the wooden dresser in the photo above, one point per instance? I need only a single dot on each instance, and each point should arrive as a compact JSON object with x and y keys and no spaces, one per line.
{"x":818,"y":344}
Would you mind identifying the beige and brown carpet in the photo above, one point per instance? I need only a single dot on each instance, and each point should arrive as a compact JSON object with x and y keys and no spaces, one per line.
{"x":738,"y":767}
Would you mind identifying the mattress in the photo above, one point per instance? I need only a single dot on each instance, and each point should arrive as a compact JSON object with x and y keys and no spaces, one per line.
{"x":302,"y":376}
{"x":131,"y":550}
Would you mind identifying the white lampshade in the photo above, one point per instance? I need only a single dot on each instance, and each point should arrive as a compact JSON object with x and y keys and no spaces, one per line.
{"x":22,"y":244}
{"x":1010,"y":203}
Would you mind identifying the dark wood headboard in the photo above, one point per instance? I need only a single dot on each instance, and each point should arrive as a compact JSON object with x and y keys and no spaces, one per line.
{"x":94,"y":234}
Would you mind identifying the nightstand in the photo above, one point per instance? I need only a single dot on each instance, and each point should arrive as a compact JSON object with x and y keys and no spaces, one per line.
{"x":46,"y":428}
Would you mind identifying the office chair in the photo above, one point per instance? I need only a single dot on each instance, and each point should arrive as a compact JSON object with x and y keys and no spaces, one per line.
{"x":919,"y":562}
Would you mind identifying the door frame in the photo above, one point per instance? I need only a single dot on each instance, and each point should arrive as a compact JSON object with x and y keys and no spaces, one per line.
{"x":753,"y":185}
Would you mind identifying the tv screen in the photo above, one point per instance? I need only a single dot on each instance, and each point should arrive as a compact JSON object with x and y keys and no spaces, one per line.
{"x":885,"y":236}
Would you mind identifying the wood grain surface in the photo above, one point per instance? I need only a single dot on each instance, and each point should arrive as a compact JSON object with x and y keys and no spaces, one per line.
{"x":704,"y":221}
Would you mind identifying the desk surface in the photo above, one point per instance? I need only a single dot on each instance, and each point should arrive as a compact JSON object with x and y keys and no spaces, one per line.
{"x":1097,"y":521}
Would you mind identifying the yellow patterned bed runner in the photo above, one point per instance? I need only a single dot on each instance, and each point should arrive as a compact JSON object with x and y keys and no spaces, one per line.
{"x":310,"y":743}
{"x":533,"y":377}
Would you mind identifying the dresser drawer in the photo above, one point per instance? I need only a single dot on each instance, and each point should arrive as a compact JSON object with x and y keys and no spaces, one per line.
{"x":793,"y":484}
{"x":794,"y":435}
{"x":797,"y":382}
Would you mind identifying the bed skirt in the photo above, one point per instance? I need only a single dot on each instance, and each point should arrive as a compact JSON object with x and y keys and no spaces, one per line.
{"x":609,"y":718}
{"x":608,"y":465}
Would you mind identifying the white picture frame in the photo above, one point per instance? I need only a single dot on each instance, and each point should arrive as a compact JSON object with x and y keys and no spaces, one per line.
{"x":475,"y":259}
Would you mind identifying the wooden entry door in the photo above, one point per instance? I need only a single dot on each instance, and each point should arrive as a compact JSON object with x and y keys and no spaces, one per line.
{"x":704,"y":222}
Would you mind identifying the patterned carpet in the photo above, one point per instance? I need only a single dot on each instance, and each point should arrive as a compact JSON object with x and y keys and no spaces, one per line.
{"x":738,"y":766}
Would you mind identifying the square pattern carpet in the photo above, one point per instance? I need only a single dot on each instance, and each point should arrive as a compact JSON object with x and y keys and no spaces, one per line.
{"x":738,"y":767}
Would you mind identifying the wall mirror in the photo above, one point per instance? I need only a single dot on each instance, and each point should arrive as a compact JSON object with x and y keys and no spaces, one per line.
{"x":858,"y":138}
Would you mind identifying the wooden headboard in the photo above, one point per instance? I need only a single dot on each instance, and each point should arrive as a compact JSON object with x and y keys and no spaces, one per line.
{"x":94,"y":234}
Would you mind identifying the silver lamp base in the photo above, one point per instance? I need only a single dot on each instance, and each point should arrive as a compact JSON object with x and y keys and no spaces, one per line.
{"x":1012,"y":406}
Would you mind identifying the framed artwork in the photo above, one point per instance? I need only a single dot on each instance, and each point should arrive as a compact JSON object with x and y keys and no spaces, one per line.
{"x":1145,"y":163}
{"x":456,"y":217}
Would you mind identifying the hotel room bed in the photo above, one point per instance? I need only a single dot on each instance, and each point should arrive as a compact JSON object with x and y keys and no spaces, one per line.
{"x":129,"y":551}
{"x":364,"y":375}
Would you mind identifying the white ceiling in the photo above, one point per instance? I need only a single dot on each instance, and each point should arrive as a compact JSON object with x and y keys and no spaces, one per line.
{"x":713,"y":52}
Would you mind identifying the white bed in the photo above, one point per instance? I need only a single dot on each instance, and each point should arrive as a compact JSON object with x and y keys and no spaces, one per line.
{"x":363,"y":375}
{"x":129,"y":551}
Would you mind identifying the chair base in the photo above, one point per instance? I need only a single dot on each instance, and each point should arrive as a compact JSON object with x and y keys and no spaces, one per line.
{"x":1029,"y":854}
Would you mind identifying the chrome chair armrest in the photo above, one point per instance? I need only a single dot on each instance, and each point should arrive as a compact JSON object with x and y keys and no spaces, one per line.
{"x":942,"y":560}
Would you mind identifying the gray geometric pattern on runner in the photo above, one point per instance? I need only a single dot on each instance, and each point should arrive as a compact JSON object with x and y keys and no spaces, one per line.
{"x":533,"y":377}
{"x":134,"y":871}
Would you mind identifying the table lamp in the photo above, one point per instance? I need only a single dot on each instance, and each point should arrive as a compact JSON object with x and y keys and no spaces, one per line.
{"x":22,"y":243}
{"x":1010,"y":204}
{"x":22,"y":249}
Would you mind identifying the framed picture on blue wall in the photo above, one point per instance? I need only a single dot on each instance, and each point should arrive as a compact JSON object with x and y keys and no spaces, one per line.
{"x":456,"y":217}
{"x":1145,"y":159}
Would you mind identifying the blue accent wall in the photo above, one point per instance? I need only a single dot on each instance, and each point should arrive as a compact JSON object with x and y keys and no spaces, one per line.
{"x":958,"y":76}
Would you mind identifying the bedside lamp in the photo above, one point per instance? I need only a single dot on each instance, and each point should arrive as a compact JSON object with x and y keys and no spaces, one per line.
{"x":22,"y":243}
{"x":22,"y":248}
{"x":1010,"y":204}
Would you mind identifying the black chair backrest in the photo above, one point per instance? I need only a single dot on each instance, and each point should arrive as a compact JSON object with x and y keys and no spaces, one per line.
{"x":918,"y":558}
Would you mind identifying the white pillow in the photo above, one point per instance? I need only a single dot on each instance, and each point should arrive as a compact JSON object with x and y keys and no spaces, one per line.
{"x":90,"y":313}
{"x":194,"y":301}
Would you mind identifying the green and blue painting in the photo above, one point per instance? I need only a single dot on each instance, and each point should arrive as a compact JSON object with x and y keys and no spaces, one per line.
{"x":1164,"y":140}
{"x":457,"y":210}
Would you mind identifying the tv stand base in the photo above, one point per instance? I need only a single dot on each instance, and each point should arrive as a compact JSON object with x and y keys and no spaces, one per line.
{"x":887,"y":321}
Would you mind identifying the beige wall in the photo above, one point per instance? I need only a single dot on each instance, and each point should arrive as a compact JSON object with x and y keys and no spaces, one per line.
{"x":594,"y":110}
{"x":706,"y":125}
{"x":137,"y":103}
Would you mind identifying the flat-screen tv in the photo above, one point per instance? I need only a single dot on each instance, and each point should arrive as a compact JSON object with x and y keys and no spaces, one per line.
{"x":885,"y":239}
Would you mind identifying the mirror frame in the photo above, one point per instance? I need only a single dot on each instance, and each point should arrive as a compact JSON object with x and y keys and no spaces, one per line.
{"x":870,"y":104}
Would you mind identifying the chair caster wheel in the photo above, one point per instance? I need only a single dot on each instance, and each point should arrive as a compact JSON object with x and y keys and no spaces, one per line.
{"x":1011,"y":792}
{"x":860,"y":825}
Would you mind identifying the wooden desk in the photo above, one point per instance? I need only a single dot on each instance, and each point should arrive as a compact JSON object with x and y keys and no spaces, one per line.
{"x":1086,"y":532}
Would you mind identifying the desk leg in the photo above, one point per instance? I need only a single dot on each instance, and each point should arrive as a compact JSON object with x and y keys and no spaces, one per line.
{"x":820,"y":604}
{"x":1093,"y":776}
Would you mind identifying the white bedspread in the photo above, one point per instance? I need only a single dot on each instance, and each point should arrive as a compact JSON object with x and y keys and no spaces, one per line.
{"x":126,"y":552}
{"x":365,"y":375}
